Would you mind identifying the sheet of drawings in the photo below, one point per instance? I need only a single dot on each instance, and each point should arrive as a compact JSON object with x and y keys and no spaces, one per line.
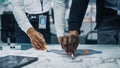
{"x":85,"y":57}
{"x":57,"y":58}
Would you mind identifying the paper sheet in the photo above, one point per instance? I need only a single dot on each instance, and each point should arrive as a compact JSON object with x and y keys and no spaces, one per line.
{"x":59,"y":59}
{"x":10,"y":52}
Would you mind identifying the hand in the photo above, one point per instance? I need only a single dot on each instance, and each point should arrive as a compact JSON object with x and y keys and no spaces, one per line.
{"x":70,"y":42}
{"x":36,"y":38}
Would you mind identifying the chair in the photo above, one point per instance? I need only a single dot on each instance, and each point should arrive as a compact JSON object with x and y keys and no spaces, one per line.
{"x":91,"y":37}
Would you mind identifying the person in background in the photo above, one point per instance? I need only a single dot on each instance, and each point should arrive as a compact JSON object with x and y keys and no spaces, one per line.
{"x":107,"y":18}
{"x":33,"y":24}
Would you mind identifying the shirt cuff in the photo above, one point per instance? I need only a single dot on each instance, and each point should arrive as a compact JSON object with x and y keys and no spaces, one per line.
{"x":25,"y":27}
{"x":60,"y":33}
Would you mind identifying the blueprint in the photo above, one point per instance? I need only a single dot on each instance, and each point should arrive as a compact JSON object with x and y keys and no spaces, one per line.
{"x":85,"y":57}
{"x":60,"y":59}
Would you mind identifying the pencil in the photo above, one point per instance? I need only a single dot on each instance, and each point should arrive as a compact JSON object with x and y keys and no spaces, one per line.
{"x":45,"y":47}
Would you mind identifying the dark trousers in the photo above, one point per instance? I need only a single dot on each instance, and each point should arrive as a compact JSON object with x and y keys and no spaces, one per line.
{"x":109,"y":31}
{"x":108,"y":37}
{"x":21,"y":37}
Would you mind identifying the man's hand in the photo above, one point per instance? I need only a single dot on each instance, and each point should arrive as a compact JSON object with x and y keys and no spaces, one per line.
{"x":69,"y":42}
{"x":36,"y":39}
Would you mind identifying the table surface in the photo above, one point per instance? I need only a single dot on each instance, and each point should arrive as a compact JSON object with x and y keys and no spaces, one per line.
{"x":99,"y":56}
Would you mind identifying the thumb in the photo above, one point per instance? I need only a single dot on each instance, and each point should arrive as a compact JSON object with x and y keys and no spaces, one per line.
{"x":60,"y":39}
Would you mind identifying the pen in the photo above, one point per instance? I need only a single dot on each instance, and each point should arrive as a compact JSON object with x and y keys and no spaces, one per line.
{"x":72,"y":56}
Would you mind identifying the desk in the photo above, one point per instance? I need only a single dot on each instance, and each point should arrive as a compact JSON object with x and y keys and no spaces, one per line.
{"x":100,"y":56}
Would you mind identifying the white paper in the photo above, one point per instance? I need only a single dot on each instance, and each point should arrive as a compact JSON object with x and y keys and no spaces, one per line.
{"x":54,"y":60}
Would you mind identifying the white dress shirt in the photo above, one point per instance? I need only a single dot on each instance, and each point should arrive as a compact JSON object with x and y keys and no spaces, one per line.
{"x":34,"y":7}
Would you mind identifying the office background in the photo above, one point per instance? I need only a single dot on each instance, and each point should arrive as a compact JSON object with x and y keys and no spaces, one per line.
{"x":7,"y":22}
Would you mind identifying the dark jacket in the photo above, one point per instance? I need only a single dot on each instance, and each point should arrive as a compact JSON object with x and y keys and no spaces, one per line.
{"x":78,"y":10}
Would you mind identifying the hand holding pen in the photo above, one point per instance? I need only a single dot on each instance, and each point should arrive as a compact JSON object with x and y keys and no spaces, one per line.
{"x":37,"y":39}
{"x":70,"y":42}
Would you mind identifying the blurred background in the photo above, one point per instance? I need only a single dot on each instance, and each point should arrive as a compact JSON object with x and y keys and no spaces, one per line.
{"x":88,"y":34}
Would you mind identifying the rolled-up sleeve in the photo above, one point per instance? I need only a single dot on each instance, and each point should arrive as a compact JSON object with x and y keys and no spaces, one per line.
{"x":59,"y":15}
{"x":20,"y":16}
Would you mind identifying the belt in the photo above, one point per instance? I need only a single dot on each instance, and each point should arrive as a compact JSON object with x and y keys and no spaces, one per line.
{"x":32,"y":16}
{"x":35,"y":16}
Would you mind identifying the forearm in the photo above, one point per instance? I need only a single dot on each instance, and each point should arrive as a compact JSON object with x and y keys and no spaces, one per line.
{"x":59,"y":15}
{"x":20,"y":15}
{"x":77,"y":13}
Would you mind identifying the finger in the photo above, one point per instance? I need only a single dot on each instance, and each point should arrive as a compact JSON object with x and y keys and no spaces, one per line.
{"x":71,"y":40}
{"x":36,"y":42}
{"x":61,"y":43}
{"x":65,"y":49}
{"x":35,"y":46}
{"x":70,"y":49}
{"x":39,"y":44}
{"x":65,"y":43}
{"x":76,"y":43}
{"x":60,"y":40}
{"x":71,"y":45}
{"x":41,"y":41}
{"x":75,"y":46}
{"x":40,"y":37}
